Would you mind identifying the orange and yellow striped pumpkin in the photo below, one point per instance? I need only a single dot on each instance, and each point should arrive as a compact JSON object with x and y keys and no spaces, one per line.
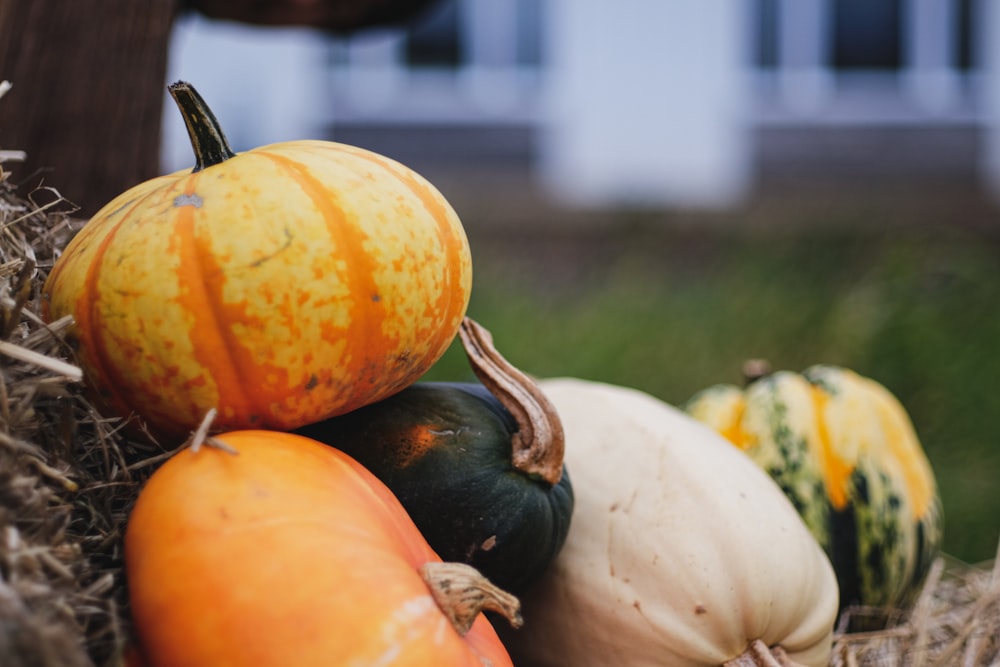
{"x":282,"y":285}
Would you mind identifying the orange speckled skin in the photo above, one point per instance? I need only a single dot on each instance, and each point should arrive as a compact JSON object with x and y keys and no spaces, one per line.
{"x":287,"y":553}
{"x":288,"y":284}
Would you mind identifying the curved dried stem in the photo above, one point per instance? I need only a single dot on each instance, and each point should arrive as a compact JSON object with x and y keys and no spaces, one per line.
{"x":539,"y":443}
{"x":462,"y":593}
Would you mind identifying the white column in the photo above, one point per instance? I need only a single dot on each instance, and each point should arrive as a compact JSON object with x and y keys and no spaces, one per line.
{"x":647,"y":102}
{"x":375,"y":73}
{"x":489,"y":71}
{"x":491,"y":31}
{"x":805,"y":29}
{"x":930,"y":32}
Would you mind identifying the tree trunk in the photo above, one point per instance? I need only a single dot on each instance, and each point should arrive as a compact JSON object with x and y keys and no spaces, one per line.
{"x":88,"y":84}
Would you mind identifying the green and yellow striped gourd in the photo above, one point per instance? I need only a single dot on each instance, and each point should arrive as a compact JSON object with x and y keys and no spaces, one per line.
{"x":845,"y":452}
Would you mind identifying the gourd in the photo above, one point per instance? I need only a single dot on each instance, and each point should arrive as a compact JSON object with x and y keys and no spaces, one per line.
{"x":844,"y":450}
{"x":682,"y":552}
{"x":269,"y":549}
{"x":279,"y":286}
{"x":478,"y":467}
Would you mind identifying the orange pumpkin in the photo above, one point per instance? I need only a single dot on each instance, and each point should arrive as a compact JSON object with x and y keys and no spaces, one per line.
{"x":286,"y":552}
{"x":281,"y":286}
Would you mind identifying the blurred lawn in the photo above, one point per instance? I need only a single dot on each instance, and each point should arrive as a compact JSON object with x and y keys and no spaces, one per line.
{"x":672,"y":311}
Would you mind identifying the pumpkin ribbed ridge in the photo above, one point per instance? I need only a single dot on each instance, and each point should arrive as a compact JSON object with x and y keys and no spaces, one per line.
{"x":454,"y":242}
{"x":85,"y":312}
{"x":361,"y":280}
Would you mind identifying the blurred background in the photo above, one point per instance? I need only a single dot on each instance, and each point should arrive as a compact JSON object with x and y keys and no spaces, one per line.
{"x":656,"y":191}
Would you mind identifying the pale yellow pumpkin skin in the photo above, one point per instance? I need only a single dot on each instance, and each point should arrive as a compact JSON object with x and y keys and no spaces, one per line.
{"x":284,"y":285}
{"x":681,"y":550}
{"x":845,"y":451}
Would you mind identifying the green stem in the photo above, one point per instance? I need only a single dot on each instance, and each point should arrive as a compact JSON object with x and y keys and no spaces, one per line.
{"x":207,"y":139}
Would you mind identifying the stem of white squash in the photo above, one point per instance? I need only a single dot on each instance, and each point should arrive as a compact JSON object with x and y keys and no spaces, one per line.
{"x":462,"y":593}
{"x":207,"y":139}
{"x":759,"y":655}
{"x":539,"y":443}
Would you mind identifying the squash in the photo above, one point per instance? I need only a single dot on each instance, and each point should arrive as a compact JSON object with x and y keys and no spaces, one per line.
{"x":682,"y":552}
{"x":844,"y":450}
{"x":272,"y":549}
{"x":478,"y":467}
{"x":280,"y":286}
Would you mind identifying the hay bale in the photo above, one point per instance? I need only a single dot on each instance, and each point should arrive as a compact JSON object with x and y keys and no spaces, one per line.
{"x":955,"y":621}
{"x":66,"y":481}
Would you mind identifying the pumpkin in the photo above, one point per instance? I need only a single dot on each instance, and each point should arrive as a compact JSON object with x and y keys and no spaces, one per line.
{"x":272,"y":549}
{"x":280,"y":286}
{"x":484,"y":482}
{"x":844,"y":450}
{"x":682,"y":552}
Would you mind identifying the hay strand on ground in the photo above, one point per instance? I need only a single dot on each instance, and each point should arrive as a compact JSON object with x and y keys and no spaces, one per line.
{"x":955,"y":621}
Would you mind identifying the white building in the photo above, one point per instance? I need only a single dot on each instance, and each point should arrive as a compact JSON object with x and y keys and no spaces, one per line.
{"x":649,"y":102}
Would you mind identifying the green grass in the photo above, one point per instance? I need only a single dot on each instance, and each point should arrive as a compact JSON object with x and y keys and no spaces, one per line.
{"x":671,"y":312}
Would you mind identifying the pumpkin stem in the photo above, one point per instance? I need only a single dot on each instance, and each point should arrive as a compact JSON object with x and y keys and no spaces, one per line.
{"x":539,"y":443}
{"x":462,"y":593}
{"x":759,"y":655}
{"x":209,"y":143}
{"x":755,"y":369}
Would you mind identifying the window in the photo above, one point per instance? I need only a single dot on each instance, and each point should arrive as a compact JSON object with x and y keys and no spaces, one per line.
{"x":867,"y":34}
{"x":861,"y":34}
{"x":766,"y":46}
{"x":434,"y":42}
{"x":965,"y":56}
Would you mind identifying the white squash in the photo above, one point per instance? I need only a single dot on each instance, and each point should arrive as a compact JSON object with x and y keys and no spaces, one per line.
{"x":681,"y":551}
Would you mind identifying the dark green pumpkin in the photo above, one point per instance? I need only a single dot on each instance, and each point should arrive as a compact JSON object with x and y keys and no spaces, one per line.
{"x":477,"y":466}
{"x":445,"y":451}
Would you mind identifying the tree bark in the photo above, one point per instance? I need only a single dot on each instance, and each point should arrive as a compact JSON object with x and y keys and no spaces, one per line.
{"x":88,"y":79}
